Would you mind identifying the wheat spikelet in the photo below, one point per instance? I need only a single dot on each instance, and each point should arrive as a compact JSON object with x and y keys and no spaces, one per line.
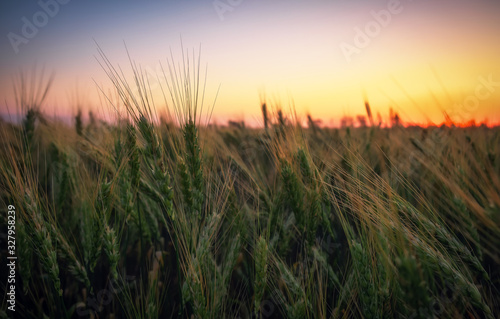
{"x":260,"y":284}
{"x":367,"y":293}
{"x":111,"y":249}
{"x":43,"y":242}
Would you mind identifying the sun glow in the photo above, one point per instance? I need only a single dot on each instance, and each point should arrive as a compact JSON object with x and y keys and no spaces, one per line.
{"x":420,"y":63}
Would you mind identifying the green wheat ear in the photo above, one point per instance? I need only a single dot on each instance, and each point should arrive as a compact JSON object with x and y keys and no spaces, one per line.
{"x":166,"y":191}
{"x":111,"y":249}
{"x":43,"y":244}
{"x":75,"y":267}
{"x":305,"y":167}
{"x":260,"y":256}
{"x":367,"y":288}
{"x":134,"y":161}
{"x":294,"y":194}
{"x":185,"y":185}
{"x":194,"y":166}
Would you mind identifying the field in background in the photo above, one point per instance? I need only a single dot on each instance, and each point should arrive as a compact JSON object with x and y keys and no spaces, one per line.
{"x":146,"y":219}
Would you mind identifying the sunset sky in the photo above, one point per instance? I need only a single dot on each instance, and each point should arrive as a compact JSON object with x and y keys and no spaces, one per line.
{"x":419,"y":57}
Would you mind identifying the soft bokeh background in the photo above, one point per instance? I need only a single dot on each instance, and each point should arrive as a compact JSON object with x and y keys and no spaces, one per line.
{"x":427,"y":60}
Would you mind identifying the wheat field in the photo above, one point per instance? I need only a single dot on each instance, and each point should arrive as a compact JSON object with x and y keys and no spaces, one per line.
{"x":168,"y":217}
